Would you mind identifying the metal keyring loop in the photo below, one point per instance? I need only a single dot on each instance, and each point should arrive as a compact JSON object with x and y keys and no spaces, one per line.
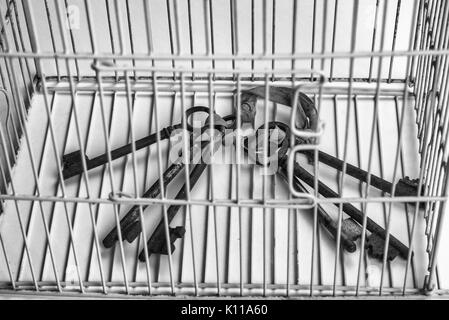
{"x":283,"y":145}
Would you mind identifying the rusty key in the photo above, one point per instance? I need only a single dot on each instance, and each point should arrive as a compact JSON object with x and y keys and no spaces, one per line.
{"x":130,"y":223}
{"x":157,"y":243}
{"x":132,"y":229}
{"x":307,"y":113}
{"x":405,"y":187}
{"x":354,"y":213}
{"x":72,"y":163}
{"x":325,"y":220}
{"x":131,"y":220}
{"x":281,"y":147}
{"x":308,"y":119}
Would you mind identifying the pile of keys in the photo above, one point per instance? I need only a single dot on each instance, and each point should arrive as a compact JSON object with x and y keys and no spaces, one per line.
{"x":307,"y":119}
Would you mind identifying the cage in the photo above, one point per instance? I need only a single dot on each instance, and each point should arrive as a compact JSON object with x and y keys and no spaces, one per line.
{"x":95,"y":75}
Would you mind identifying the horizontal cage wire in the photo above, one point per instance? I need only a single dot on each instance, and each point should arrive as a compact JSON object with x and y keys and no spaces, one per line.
{"x":223,"y":147}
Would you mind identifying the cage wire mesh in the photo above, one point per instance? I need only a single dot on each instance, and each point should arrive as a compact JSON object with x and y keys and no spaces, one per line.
{"x":96,"y":75}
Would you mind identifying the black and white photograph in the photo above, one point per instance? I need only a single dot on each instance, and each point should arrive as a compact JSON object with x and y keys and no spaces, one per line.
{"x":248,"y":151}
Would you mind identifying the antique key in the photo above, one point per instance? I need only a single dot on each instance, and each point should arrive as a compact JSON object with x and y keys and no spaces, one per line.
{"x":404,"y":188}
{"x":347,"y":239}
{"x":308,"y":120}
{"x":130,"y":223}
{"x":72,"y":162}
{"x":378,"y":233}
{"x":158,"y":242}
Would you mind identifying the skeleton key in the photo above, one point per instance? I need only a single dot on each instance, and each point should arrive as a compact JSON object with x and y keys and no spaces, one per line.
{"x":325,"y":220}
{"x":397,"y":246}
{"x":130,"y":223}
{"x":307,"y":113}
{"x":308,"y":119}
{"x":72,"y":162}
{"x":131,"y":220}
{"x":347,"y":238}
{"x":158,"y":242}
{"x":133,"y":228}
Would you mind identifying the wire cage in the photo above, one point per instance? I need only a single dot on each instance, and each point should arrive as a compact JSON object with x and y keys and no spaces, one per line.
{"x":95,"y":75}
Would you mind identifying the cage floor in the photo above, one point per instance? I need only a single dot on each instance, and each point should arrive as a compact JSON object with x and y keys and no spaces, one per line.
{"x":229,"y":246}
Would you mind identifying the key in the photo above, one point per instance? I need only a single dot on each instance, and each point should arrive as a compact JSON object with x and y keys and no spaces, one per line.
{"x":326,"y":221}
{"x":133,"y":228}
{"x":405,"y":187}
{"x":157,"y":243}
{"x":130,"y":224}
{"x":72,"y":165}
{"x":308,"y":118}
{"x":72,"y":162}
{"x":131,"y":220}
{"x":354,"y":213}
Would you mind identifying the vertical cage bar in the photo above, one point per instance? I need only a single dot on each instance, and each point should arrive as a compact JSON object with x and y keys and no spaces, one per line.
{"x":345,"y":148}
{"x":130,"y":108}
{"x":371,"y":145}
{"x":111,"y":171}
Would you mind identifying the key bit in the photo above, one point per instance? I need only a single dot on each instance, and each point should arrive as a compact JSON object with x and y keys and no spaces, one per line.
{"x":71,"y":163}
{"x":407,"y":186}
{"x":159,"y":246}
{"x":375,"y":246}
